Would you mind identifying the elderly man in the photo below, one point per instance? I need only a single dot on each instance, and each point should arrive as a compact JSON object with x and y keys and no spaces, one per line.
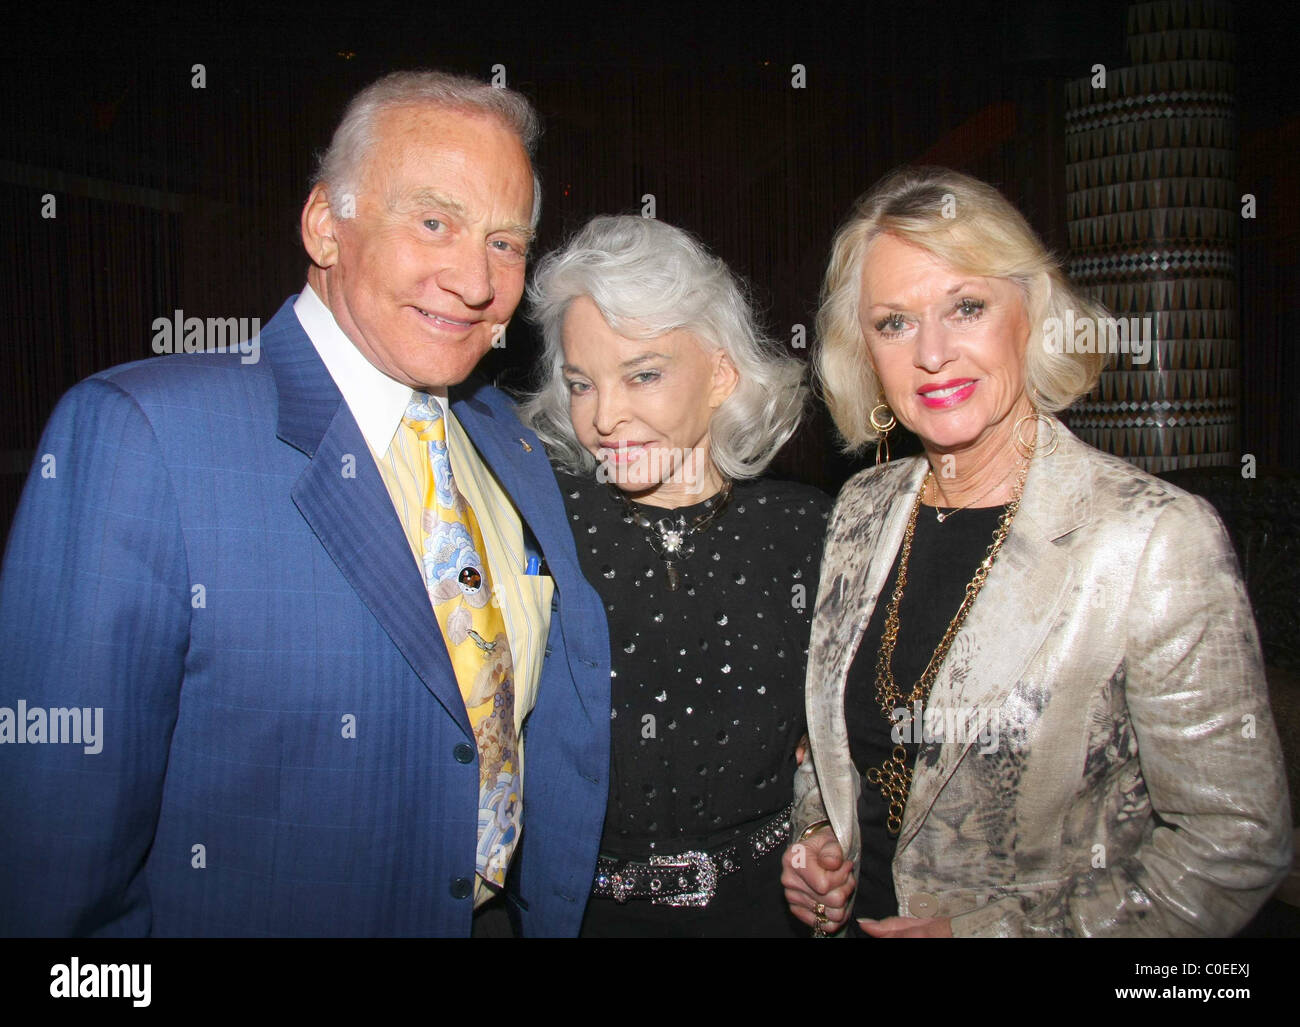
{"x":317,"y":602}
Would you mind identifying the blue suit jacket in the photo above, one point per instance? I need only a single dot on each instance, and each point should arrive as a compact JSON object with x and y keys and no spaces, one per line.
{"x":206,"y":566}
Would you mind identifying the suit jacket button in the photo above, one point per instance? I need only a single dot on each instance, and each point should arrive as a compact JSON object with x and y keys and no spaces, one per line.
{"x":464,"y":752}
{"x":923,"y":905}
{"x":462,"y":888}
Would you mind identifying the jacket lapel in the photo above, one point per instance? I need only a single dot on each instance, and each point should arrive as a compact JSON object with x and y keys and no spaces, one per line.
{"x":343,"y":498}
{"x":1020,"y":601}
{"x":524,"y":473}
{"x":870,"y":519}
{"x":896,"y":495}
{"x":518,"y":460}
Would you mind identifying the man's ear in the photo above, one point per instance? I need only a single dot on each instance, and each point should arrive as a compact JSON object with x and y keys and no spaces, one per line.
{"x":725,"y":378}
{"x":319,"y":227}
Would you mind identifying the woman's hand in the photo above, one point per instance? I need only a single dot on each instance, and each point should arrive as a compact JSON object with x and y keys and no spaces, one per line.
{"x":908,"y":927}
{"x":816,"y":873}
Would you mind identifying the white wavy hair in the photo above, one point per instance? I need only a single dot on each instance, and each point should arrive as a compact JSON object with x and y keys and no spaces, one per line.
{"x":340,"y":165}
{"x":647,"y":279}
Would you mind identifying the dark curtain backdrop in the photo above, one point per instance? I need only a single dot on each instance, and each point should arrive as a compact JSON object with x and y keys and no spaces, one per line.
{"x":170,"y":197}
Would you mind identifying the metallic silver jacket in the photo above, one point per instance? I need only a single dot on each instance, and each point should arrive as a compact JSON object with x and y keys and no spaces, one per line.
{"x":1129,"y":779}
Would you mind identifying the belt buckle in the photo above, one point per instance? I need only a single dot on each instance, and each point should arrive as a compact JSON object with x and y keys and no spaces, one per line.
{"x":620,"y":887}
{"x":706,"y":877}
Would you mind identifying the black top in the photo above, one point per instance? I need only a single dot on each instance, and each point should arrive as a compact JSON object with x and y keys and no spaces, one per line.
{"x":708,"y":681}
{"x":943,"y":561}
{"x":707,"y":690}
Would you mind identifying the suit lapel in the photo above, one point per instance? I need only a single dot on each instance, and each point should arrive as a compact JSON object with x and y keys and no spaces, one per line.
{"x":524,"y":473}
{"x":518,"y":460}
{"x":1020,"y":601}
{"x":343,"y":498}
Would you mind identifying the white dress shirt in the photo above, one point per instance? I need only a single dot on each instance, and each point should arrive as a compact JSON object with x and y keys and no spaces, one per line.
{"x":377,"y":401}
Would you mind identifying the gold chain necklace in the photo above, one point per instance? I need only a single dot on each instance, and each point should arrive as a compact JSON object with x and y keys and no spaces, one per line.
{"x":894,"y":776}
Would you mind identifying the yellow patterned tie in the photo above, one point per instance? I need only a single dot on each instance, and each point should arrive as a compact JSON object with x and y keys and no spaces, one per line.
{"x":460,"y":587}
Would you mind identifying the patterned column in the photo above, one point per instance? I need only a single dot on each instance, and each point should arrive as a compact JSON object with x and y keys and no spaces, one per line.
{"x":1153,"y":211}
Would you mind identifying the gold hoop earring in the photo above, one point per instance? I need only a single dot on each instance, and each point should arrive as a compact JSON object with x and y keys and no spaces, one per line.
{"x":883,"y":428}
{"x":1027,"y":449}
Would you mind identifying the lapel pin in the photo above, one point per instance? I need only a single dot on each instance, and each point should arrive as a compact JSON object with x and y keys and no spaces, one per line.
{"x":527,"y":447}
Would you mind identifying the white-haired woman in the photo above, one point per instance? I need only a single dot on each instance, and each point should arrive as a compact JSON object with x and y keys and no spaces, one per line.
{"x":662,"y":403}
{"x":1035,"y":695}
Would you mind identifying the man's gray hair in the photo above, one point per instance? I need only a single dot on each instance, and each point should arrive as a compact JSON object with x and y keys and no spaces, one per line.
{"x":647,"y":279}
{"x":340,"y":165}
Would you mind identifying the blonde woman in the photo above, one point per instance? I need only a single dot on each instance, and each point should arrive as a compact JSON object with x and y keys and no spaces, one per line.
{"x":1035,"y":695}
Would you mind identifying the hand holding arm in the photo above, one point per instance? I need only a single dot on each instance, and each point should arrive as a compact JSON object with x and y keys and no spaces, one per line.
{"x":814,"y":870}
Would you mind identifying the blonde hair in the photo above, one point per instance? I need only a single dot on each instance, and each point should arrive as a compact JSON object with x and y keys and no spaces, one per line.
{"x":972,"y":227}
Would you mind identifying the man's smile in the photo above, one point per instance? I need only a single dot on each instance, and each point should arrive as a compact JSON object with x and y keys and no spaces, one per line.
{"x":443,"y":321}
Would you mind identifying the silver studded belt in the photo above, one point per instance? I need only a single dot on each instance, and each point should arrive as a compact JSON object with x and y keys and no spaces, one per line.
{"x":687,"y":878}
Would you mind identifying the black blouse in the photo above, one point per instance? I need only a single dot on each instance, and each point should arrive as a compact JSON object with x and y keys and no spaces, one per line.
{"x":707,"y":681}
{"x":943,"y":561}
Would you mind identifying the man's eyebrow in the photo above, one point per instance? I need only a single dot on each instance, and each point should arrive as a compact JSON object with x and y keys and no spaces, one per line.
{"x":433,"y":198}
{"x":525,"y":232}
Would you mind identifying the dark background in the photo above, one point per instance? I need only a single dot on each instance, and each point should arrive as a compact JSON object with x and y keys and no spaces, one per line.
{"x":174,"y":197}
